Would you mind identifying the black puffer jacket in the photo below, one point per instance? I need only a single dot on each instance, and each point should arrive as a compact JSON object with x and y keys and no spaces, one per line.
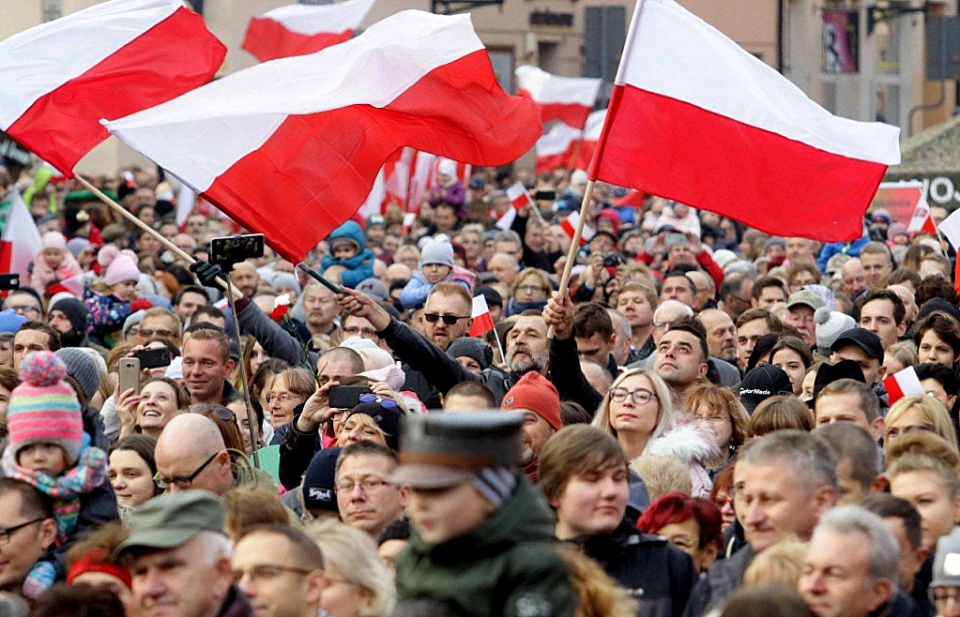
{"x":661,"y":576}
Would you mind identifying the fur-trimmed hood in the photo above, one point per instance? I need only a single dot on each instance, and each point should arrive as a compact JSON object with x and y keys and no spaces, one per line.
{"x":691,"y":440}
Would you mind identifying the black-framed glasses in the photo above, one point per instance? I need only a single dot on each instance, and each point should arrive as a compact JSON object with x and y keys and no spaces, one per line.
{"x":447,"y":319}
{"x":182,"y":483}
{"x":639,"y":397}
{"x":373,"y":398}
{"x":6,"y":532}
{"x":267,"y":571}
{"x":152,"y":333}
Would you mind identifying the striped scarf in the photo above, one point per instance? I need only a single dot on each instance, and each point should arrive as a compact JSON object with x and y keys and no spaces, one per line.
{"x":65,"y":490}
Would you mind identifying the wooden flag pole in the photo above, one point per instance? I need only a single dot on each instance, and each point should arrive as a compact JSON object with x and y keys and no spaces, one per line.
{"x":574,"y":247}
{"x":173,"y":248}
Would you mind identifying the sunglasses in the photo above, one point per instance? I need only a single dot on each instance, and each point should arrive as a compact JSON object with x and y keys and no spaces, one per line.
{"x":447,"y":319}
{"x":373,"y":398}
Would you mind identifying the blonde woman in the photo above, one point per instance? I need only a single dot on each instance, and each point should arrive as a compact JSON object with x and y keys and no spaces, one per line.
{"x":919,"y":413}
{"x":530,"y":290}
{"x":358,"y":582}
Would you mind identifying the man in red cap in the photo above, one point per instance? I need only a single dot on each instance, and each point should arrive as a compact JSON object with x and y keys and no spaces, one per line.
{"x":537,"y":398}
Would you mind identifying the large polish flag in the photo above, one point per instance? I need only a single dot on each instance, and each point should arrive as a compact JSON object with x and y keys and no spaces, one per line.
{"x":291,"y":148}
{"x":300,"y":29}
{"x":108,"y":61}
{"x":20,"y":242}
{"x":555,"y":149}
{"x":590,"y":139}
{"x":567,"y":99}
{"x":695,"y":118}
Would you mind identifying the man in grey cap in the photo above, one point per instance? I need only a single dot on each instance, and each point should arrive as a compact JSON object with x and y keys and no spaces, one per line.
{"x":800,"y":309}
{"x":179,"y":558}
{"x":482,"y":537}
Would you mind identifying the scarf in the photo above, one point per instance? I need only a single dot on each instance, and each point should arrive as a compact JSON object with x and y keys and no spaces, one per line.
{"x":65,"y":489}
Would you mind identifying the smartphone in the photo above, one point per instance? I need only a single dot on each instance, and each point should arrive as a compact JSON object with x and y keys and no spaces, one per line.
{"x":153,"y":358}
{"x":229,"y":250}
{"x":130,"y":375}
{"x":545,"y":196}
{"x":346,"y":397}
{"x":9,"y":282}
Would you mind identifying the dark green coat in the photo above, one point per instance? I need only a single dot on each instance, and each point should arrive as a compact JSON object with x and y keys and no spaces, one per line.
{"x":506,"y":567}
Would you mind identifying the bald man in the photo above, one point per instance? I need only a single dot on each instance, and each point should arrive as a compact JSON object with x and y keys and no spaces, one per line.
{"x":190,"y":455}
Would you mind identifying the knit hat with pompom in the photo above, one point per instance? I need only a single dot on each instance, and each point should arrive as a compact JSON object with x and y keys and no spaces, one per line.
{"x":44,"y":408}
{"x":122,"y":269}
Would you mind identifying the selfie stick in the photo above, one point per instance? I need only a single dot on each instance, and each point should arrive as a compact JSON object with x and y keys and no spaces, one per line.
{"x":251,"y":416}
{"x":319,"y":278}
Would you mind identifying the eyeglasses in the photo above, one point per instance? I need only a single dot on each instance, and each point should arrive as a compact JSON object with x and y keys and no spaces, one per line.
{"x":364,"y":332}
{"x":182,"y":483}
{"x":368,"y":485}
{"x":265,"y":572}
{"x":149,"y":333}
{"x":283,"y":398}
{"x":640,"y":397}
{"x":24,"y":308}
{"x":373,"y":398}
{"x":944,"y":594}
{"x":447,"y":319}
{"x":203,"y":408}
{"x":133,"y":331}
{"x":6,"y":532}
{"x":530,"y":288}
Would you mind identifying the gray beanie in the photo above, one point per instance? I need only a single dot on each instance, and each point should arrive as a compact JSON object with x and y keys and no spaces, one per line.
{"x":81,"y":367}
{"x":437,"y":251}
{"x":284,"y":279}
{"x":77,"y":245}
{"x":830,"y":325}
{"x":133,"y":320}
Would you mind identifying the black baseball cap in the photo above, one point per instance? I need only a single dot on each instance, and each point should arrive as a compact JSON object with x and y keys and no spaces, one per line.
{"x":761,"y":383}
{"x":862,"y":338}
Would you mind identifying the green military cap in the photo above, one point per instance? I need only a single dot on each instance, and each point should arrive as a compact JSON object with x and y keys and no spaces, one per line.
{"x":85,"y":196}
{"x":170,"y":520}
{"x":445,"y":449}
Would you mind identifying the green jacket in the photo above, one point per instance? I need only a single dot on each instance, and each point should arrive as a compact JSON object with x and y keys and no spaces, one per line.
{"x":506,"y":567}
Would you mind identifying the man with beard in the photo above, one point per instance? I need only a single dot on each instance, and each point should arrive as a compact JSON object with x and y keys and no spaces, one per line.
{"x":69,"y":317}
{"x":721,"y":334}
{"x":526,"y":343}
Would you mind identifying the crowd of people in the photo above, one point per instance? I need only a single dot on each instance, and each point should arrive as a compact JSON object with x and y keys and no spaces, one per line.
{"x":698,"y":427}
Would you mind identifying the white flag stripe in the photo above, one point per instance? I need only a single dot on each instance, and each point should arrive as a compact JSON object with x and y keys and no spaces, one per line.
{"x":479,"y":307}
{"x":557,"y":140}
{"x":703,"y":63}
{"x":591,"y":132}
{"x":35,"y":75}
{"x":505,"y":222}
{"x":547,"y":88}
{"x":21,"y":232}
{"x":309,"y":19}
{"x":950,"y":228}
{"x":516,"y":190}
{"x":243,"y":110}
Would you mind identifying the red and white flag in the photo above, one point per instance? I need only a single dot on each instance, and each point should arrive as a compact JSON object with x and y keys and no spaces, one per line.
{"x":518,"y":195}
{"x":482,"y":320}
{"x":330,"y":120}
{"x":409,"y":218}
{"x":505,"y":222}
{"x":688,"y":98}
{"x":555,"y":149}
{"x":904,"y":383}
{"x":300,"y":29}
{"x":922,"y":220}
{"x":591,"y":136}
{"x":108,"y":61}
{"x":567,"y":99}
{"x":950,"y":228}
{"x":569,"y":226}
{"x":21,"y":241}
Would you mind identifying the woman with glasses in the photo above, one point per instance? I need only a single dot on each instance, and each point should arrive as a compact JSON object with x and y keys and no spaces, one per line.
{"x":161,"y":399}
{"x":375,"y":419}
{"x":919,"y":413}
{"x":692,"y":524}
{"x":530,"y":290}
{"x":638,"y":412}
{"x":358,"y":582}
{"x":131,"y":471}
{"x":290,"y":388}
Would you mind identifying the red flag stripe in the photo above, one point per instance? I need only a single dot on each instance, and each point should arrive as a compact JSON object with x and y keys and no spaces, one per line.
{"x":267,"y":39}
{"x":743,"y":179}
{"x":572,"y":114}
{"x":178,"y":54}
{"x":892,"y":386}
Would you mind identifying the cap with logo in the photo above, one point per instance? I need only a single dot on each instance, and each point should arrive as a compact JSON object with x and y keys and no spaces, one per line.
{"x":319,"y":481}
{"x":171,"y":520}
{"x":439,"y":450}
{"x":761,"y":383}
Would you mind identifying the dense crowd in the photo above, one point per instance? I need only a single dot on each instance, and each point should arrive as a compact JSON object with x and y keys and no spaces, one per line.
{"x":699,"y":426}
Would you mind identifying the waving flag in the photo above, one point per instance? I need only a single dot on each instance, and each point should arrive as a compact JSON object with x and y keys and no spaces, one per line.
{"x":567,"y":99}
{"x":695,"y":118}
{"x":291,"y":148}
{"x":591,"y":136}
{"x":300,"y":29}
{"x":555,"y":149}
{"x":903,"y":383}
{"x":20,"y":242}
{"x":922,"y":221}
{"x":482,"y":320}
{"x":108,"y":61}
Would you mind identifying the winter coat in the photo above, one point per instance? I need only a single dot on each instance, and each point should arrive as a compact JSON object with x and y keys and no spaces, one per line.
{"x":43,"y":275}
{"x":722,"y":579}
{"x":359,"y":267}
{"x":235,"y":605}
{"x":107,"y":314}
{"x":508,"y":566}
{"x":661,"y":576}
{"x":414,"y":293}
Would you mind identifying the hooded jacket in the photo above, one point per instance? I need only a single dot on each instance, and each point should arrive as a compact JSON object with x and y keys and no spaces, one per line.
{"x":504,"y":567}
{"x":359,"y":267}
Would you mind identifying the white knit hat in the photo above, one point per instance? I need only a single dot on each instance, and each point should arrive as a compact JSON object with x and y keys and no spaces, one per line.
{"x":830,"y":325}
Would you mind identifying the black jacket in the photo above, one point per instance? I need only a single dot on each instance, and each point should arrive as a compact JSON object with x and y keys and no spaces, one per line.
{"x":721,"y":580}
{"x":661,"y":576}
{"x":296,"y":452}
{"x":566,"y":376}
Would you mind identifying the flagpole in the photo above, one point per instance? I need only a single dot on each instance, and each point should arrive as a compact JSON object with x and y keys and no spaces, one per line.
{"x":496,"y":337}
{"x":574,"y":247}
{"x":173,"y":248}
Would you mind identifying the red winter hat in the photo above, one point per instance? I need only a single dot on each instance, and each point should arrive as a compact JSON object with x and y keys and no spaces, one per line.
{"x":535,"y":393}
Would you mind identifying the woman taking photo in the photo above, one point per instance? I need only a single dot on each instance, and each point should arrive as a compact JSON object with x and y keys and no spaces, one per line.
{"x":161,"y":399}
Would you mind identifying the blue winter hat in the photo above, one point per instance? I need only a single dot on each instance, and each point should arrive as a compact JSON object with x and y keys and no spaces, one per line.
{"x":10,"y":321}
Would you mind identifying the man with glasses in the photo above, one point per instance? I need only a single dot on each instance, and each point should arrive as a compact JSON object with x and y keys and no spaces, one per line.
{"x":26,"y":303}
{"x":34,"y":336}
{"x":27,"y":531}
{"x":365,"y":498}
{"x":179,"y":558}
{"x":191,"y":455}
{"x":159,"y":322}
{"x":280,"y":570}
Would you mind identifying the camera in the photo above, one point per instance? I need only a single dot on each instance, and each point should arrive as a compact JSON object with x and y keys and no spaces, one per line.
{"x":9,"y":282}
{"x":612,"y":260}
{"x":229,"y":250}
